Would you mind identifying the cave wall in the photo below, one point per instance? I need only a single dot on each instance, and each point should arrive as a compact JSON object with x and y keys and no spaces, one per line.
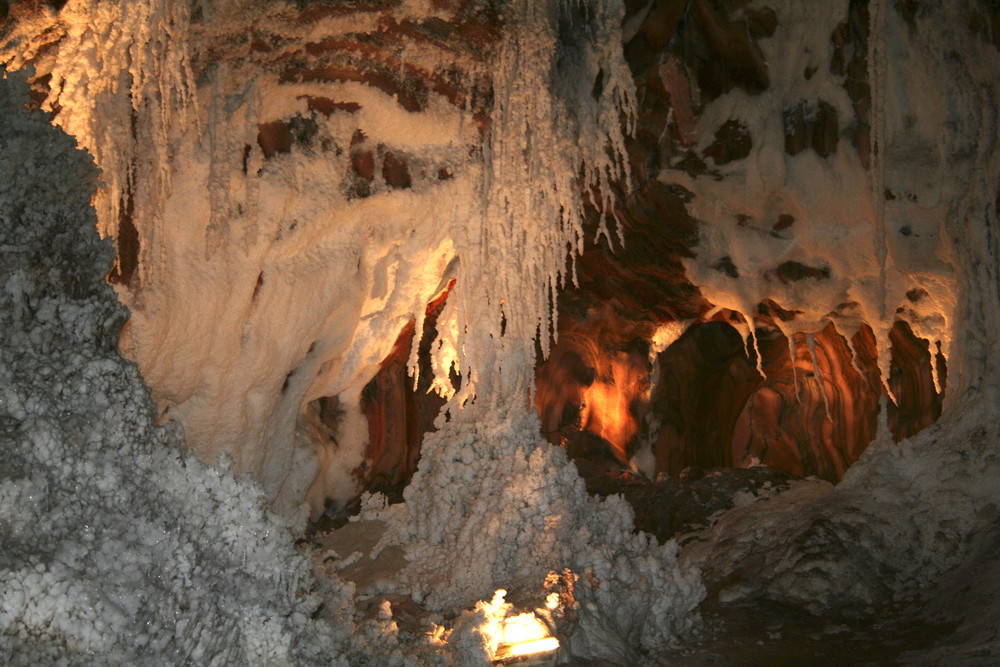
{"x":279,"y":182}
{"x":776,"y":366}
{"x":926,"y":234}
{"x":814,"y":402}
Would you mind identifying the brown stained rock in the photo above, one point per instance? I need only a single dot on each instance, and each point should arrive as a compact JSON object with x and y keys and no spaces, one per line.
{"x":784,"y":222}
{"x":258,"y":45}
{"x":398,"y":414}
{"x":278,"y":136}
{"x":645,"y":279}
{"x":725,"y":265}
{"x":769,"y":310}
{"x":395,"y":171}
{"x":761,"y":21}
{"x":274,"y":138}
{"x":390,"y":406}
{"x":912,"y":383}
{"x":789,"y":272}
{"x":468,"y":38}
{"x":817,"y":420}
{"x":826,"y":130}
{"x":814,"y":414}
{"x":650,"y":148}
{"x":675,"y":83}
{"x":732,"y":142}
{"x":850,"y":60}
{"x":722,"y":53}
{"x":811,"y":126}
{"x":712,"y":409}
{"x":408,"y":96}
{"x":39,"y":91}
{"x":362,"y":156}
{"x":326,"y":106}
{"x":692,"y":164}
{"x":127,"y":245}
{"x":661,"y":22}
{"x":705,"y":380}
{"x":373,"y":59}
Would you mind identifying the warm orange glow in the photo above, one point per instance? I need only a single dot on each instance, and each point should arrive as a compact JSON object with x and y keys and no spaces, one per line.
{"x":523,"y":634}
{"x":596,"y":381}
{"x":514,"y":635}
{"x":529,"y":648}
{"x":606,"y":404}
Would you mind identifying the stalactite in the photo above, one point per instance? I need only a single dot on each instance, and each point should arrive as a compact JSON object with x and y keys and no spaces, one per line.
{"x":546,"y":129}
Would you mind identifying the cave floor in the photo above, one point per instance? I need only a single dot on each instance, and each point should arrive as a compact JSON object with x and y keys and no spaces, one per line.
{"x":956,"y":622}
{"x":775,"y":636}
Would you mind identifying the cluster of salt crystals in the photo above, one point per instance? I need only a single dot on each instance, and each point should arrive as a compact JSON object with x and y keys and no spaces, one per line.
{"x":569,"y":136}
{"x":114,"y":546}
{"x":872,"y":264}
{"x":906,"y":512}
{"x":493,"y":505}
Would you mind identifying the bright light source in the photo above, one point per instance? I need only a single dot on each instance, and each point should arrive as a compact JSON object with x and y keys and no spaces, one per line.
{"x":522,"y":628}
{"x":534,"y":646}
{"x":523,"y":634}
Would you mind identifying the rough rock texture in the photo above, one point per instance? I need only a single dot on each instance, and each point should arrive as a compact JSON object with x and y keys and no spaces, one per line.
{"x":115,"y":546}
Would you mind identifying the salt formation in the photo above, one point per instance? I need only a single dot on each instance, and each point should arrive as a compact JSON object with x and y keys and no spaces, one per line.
{"x":261,"y":281}
{"x":492,"y":504}
{"x":270,"y":286}
{"x":857,"y":267}
{"x":905,"y":512}
{"x":260,"y":287}
{"x":115,"y":546}
{"x":547,"y":128}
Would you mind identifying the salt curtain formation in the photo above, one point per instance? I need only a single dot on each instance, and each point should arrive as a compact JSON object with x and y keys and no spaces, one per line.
{"x":492,"y":504}
{"x":546,"y":129}
{"x":265,"y":262}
